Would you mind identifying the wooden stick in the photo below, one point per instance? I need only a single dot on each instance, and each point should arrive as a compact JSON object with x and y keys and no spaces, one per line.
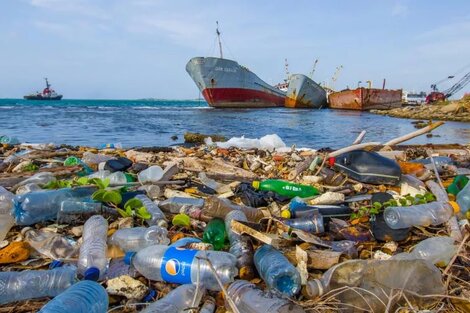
{"x":414,"y":134}
{"x":352,"y":148}
{"x":359,"y":138}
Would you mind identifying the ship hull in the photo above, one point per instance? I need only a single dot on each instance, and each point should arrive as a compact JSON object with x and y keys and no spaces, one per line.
{"x":365,"y":99}
{"x":303,"y":92}
{"x":225,"y":84}
{"x":42,"y":98}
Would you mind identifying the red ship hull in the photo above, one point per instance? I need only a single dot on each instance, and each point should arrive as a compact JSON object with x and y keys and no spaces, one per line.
{"x":241,"y":98}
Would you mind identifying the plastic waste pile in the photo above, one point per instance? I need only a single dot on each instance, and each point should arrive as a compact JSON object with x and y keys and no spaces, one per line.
{"x":243,"y":226}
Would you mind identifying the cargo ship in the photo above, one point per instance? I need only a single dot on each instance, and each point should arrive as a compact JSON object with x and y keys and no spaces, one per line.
{"x":47,"y":94}
{"x":303,"y":92}
{"x":226,"y":84}
{"x":364,"y":99}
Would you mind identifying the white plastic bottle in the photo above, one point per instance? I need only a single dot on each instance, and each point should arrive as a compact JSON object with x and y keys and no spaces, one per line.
{"x":136,"y":238}
{"x":92,"y":261}
{"x":158,"y":217}
{"x":437,"y":250}
{"x":179,"y":300}
{"x":180,"y":266}
{"x":433,"y":213}
{"x":150,"y":175}
{"x":6,"y":218}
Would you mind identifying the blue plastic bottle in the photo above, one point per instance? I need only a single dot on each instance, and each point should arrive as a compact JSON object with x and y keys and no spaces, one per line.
{"x":83,"y":297}
{"x":276,"y":271}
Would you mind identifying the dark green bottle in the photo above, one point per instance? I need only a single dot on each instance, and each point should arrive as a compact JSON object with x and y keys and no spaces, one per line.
{"x":215,"y":233}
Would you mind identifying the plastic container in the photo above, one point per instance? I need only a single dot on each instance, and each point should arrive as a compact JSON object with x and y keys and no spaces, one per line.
{"x":44,"y":205}
{"x":249,"y":299}
{"x":433,"y":213}
{"x":373,"y":281}
{"x":158,"y":217}
{"x":299,"y":208}
{"x":459,"y":183}
{"x":41,"y":178}
{"x":94,"y":159}
{"x":215,"y":233}
{"x":72,"y":210}
{"x":276,"y":271}
{"x":463,"y":199}
{"x":118,"y":165}
{"x":136,"y":238}
{"x":17,"y":286}
{"x":219,"y":207}
{"x":150,"y":175}
{"x":50,"y":244}
{"x":6,"y":219}
{"x":176,"y":205}
{"x":92,"y":261}
{"x":437,"y":250}
{"x":180,"y":266}
{"x":240,"y":246}
{"x":83,"y":297}
{"x":312,"y":223}
{"x":179,"y":300}
{"x":285,"y":188}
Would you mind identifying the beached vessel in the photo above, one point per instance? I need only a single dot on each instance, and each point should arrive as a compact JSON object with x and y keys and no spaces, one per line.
{"x":47,"y":94}
{"x":303,"y":92}
{"x":226,"y":84}
{"x":365,"y":99}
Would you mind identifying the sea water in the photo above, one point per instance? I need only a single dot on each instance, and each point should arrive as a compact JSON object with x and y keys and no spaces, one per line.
{"x":155,"y":122}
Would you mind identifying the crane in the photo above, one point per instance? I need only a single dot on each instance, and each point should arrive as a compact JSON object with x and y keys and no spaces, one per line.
{"x":436,"y":95}
{"x":335,"y":76}
{"x":313,"y":68}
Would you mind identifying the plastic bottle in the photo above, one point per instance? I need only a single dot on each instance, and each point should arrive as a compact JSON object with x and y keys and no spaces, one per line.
{"x":286,"y":189}
{"x":41,"y":178}
{"x":440,"y":161}
{"x":28,"y":188}
{"x":437,"y":250}
{"x":274,"y":268}
{"x":312,"y":223}
{"x":72,"y":161}
{"x":71,"y":210}
{"x":150,"y":175}
{"x":218,"y":187}
{"x":433,"y":213}
{"x":249,"y":299}
{"x":208,"y":306}
{"x":50,"y":244}
{"x":136,"y":238}
{"x":118,"y":165}
{"x":220,"y":207}
{"x":6,"y":219}
{"x":177,"y":205}
{"x":459,"y":183}
{"x":178,"y":300}
{"x":373,"y":282}
{"x":215,"y":233}
{"x":180,"y":266}
{"x":83,"y":297}
{"x":17,"y":286}
{"x":44,"y":205}
{"x":92,"y":260}
{"x":240,"y":245}
{"x":94,"y":159}
{"x":463,"y":199}
{"x":9,"y":140}
{"x":158,"y":217}
{"x":299,"y":208}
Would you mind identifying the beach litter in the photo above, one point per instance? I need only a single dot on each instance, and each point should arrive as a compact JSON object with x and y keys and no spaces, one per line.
{"x":243,"y":226}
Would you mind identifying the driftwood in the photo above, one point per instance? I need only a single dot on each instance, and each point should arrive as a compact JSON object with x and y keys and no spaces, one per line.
{"x":267,"y":238}
{"x":359,"y":138}
{"x":352,"y":148}
{"x":199,"y":138}
{"x":11,"y":179}
{"x":302,"y":166}
{"x":414,"y":134}
{"x":317,"y":259}
{"x":216,"y":169}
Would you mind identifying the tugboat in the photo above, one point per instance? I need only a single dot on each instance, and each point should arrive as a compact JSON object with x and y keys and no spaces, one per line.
{"x":47,"y":94}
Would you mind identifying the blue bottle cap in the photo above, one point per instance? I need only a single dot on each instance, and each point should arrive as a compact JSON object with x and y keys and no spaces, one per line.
{"x":92,"y":273}
{"x":150,"y":296}
{"x":297,"y":204}
{"x":128,"y":257}
{"x":55,"y":264}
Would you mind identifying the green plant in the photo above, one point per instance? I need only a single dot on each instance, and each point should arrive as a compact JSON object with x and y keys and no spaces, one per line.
{"x":30,"y":167}
{"x":109,"y":196}
{"x":134,"y":207}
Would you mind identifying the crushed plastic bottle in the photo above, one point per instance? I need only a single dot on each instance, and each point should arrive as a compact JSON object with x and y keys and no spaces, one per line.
{"x":115,"y":179}
{"x":94,"y":159}
{"x":249,"y":299}
{"x":6,"y":219}
{"x":285,"y":188}
{"x":176,"y":205}
{"x":240,"y":245}
{"x":136,"y":238}
{"x":44,"y":205}
{"x":178,"y":300}
{"x":215,"y":233}
{"x":71,"y":210}
{"x":374,"y":283}
{"x":41,"y":178}
{"x":28,"y":188}
{"x":17,"y":286}
{"x":180,"y":266}
{"x":312,"y":223}
{"x":83,"y":297}
{"x":433,"y":213}
{"x":150,"y":175}
{"x":274,"y":268}
{"x":50,"y":244}
{"x":158,"y":217}
{"x":437,"y":250}
{"x":92,"y":261}
{"x":219,"y":207}
{"x":218,"y":187}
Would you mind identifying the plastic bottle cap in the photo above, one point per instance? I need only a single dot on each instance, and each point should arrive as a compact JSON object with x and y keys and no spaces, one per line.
{"x":55,"y":264}
{"x":150,"y":296}
{"x":455,"y":206}
{"x":331,"y":161}
{"x":92,"y":273}
{"x":128,"y":257}
{"x":255,"y":184}
{"x":285,"y":214}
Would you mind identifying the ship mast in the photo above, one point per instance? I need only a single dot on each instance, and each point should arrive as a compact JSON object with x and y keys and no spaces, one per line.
{"x":313,"y":68}
{"x":218,"y":38}
{"x":286,"y":66}
{"x":47,"y":83}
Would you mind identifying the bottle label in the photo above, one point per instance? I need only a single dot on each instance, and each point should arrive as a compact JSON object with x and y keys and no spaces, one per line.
{"x":176,"y":265}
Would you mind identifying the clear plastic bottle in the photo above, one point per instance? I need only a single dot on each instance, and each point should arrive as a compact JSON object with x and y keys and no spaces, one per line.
{"x":219,"y":207}
{"x":50,"y":244}
{"x":433,"y":213}
{"x":28,"y":188}
{"x":180,"y":266}
{"x":158,"y":217}
{"x":115,"y":179}
{"x":41,"y":178}
{"x":92,"y":260}
{"x":274,"y":268}
{"x":208,"y":306}
{"x":44,"y":205}
{"x":178,"y":300}
{"x":70,"y":210}
{"x":94,"y":159}
{"x":312,"y":223}
{"x":150,"y":175}
{"x":218,"y":187}
{"x":437,"y":250}
{"x":373,"y":281}
{"x":463,"y":199}
{"x":136,"y":238}
{"x":178,"y":205}
{"x":6,"y":219}
{"x":240,"y":245}
{"x":17,"y":286}
{"x":83,"y":297}
{"x":249,"y":299}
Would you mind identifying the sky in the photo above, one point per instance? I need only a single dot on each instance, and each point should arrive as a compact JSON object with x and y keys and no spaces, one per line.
{"x":133,"y":49}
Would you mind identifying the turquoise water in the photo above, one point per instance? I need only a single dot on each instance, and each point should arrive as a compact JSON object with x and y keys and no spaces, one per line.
{"x":154,"y":122}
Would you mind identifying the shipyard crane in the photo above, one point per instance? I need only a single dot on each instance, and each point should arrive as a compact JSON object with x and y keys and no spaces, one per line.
{"x":313,"y":68}
{"x":218,"y":38}
{"x":436,"y":95}
{"x":286,"y":66}
{"x":335,"y":76}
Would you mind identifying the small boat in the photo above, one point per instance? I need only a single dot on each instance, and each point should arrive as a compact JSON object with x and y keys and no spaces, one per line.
{"x":364,"y":99}
{"x":47,"y":94}
{"x":303,"y":92}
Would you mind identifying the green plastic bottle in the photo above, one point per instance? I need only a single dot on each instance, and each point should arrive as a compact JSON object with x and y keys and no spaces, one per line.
{"x":215,"y":233}
{"x":459,"y":182}
{"x":286,"y":189}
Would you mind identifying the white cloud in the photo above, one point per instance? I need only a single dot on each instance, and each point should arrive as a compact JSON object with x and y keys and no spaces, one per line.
{"x":400,"y":10}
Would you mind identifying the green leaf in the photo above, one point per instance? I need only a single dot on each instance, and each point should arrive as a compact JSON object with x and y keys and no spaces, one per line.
{"x":83,"y":181}
{"x":143,"y":213}
{"x":429,"y":197}
{"x":133,"y":203}
{"x":106,"y":182}
{"x":377,"y":205}
{"x":98,"y":195}
{"x":51,"y":185}
{"x":112,"y":197}
{"x":123,"y":213}
{"x":403,"y":202}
